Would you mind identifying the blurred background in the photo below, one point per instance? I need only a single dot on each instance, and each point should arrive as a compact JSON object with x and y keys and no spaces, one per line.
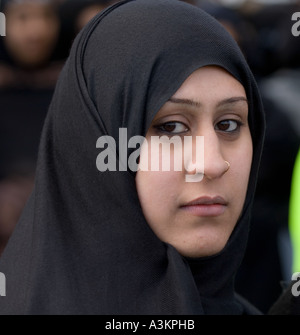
{"x":39,"y":35}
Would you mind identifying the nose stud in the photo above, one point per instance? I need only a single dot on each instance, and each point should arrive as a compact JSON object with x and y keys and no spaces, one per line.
{"x":228,"y":166}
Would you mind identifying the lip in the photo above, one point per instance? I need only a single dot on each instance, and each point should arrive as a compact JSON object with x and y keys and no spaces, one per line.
{"x":206,"y":206}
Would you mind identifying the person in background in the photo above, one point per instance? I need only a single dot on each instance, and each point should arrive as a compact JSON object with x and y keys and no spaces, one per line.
{"x":29,"y":69}
{"x":74,"y":15}
{"x":28,"y":50}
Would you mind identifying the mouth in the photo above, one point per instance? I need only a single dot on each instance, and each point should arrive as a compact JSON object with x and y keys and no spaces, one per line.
{"x":206,"y":206}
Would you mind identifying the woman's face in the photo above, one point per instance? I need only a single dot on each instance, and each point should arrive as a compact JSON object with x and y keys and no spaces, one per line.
{"x":198,"y":217}
{"x":32,"y":31}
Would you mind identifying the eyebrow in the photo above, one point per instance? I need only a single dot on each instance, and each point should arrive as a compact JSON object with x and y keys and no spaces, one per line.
{"x":193,"y":103}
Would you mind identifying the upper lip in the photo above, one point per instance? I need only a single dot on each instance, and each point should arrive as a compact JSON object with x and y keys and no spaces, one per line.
{"x":206,"y":200}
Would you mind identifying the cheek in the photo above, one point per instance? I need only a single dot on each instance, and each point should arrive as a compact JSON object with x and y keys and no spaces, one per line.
{"x":158,"y":194}
{"x":241,"y":167}
{"x":15,"y":32}
{"x":155,"y":187}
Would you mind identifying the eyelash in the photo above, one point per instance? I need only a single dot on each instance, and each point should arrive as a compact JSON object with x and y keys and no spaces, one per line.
{"x":160,"y":127}
{"x":236,"y":130}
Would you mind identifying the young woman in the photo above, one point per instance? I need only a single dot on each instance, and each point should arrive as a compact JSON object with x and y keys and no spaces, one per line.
{"x":97,"y":237}
{"x":29,"y":70}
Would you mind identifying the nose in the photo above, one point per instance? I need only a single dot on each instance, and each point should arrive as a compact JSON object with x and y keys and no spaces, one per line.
{"x":215,"y":164}
{"x":206,"y":158}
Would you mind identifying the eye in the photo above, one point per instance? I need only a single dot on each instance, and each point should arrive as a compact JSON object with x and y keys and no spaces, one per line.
{"x":172,"y":128}
{"x":228,"y":126}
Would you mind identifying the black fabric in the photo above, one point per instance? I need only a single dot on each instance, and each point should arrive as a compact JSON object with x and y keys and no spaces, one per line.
{"x":287,"y":303}
{"x":82,"y":245}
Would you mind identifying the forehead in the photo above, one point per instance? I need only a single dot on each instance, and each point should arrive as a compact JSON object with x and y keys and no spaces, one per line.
{"x":211,"y":81}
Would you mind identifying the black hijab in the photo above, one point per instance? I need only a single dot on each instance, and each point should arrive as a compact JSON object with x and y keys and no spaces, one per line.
{"x":83,"y":245}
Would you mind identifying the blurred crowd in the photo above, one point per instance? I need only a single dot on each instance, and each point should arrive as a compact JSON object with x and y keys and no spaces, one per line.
{"x":39,"y":35}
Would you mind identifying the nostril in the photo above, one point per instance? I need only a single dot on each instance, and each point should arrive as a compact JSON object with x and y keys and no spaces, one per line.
{"x":194,"y":155}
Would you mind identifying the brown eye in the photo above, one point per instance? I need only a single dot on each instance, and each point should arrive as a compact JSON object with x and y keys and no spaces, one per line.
{"x":172,"y":128}
{"x":169,"y":127}
{"x":228,"y":126}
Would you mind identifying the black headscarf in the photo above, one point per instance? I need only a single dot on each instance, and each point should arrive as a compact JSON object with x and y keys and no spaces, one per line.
{"x":83,"y":245}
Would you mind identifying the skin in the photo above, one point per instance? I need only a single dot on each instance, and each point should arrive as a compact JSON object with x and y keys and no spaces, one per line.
{"x":32,"y":32}
{"x":213,"y":104}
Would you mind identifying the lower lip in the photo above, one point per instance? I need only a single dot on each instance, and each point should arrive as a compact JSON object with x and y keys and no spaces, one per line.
{"x":205,"y":210}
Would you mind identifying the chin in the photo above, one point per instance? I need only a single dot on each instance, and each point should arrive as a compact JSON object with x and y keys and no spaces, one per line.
{"x":210,"y":249}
